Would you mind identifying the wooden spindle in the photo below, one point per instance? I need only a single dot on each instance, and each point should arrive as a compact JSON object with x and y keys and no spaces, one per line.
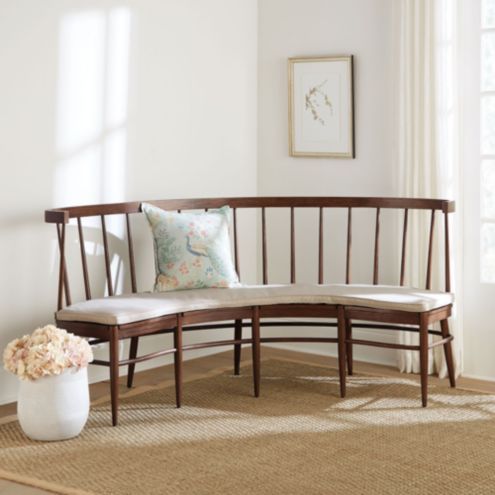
{"x":178,"y":359}
{"x":292,"y":247}
{"x":447,"y":252}
{"x":84,"y":261}
{"x":377,"y":247}
{"x":404,"y":242}
{"x":320,"y":247}
{"x":349,"y":244}
{"x":263,"y":245}
{"x":107,"y":256}
{"x":61,"y":234}
{"x":61,"y":270}
{"x":255,"y":325}
{"x":430,"y":251}
{"x":236,"y":252}
{"x":130,"y":244}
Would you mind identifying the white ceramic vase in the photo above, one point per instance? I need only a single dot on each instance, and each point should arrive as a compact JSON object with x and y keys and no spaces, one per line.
{"x":54,"y":407}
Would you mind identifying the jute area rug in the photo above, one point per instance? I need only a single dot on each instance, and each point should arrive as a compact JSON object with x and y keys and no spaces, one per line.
{"x":299,"y":437}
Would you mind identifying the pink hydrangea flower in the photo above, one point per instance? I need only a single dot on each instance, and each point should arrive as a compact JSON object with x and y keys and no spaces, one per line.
{"x":47,"y":351}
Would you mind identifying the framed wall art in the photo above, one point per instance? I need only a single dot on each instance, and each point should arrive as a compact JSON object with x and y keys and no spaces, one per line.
{"x":321,"y":107}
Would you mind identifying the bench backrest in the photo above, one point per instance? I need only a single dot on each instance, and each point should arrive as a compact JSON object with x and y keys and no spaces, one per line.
{"x":62,"y":216}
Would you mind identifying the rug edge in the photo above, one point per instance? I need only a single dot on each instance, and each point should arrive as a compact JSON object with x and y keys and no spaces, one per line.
{"x":41,"y":484}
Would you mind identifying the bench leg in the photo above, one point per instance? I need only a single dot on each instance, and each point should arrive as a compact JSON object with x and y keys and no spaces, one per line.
{"x":178,"y":361}
{"x":237,"y":347}
{"x":348,"y":345}
{"x":341,"y":325}
{"x":423,"y":357}
{"x":114,"y":373}
{"x":444,"y":324}
{"x":132,"y":355}
{"x":256,"y":350}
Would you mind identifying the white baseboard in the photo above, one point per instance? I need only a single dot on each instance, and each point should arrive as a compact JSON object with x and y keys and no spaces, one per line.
{"x":479,"y":377}
{"x":372,"y":355}
{"x":330,"y":353}
{"x":8,"y":399}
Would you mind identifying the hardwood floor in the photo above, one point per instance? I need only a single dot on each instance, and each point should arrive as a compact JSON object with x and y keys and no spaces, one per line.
{"x":197,"y":368}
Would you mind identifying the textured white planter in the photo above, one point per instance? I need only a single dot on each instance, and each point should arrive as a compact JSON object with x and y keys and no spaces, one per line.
{"x":54,"y":407}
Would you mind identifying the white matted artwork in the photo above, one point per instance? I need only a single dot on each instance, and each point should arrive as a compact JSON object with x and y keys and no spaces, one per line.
{"x":321,"y":107}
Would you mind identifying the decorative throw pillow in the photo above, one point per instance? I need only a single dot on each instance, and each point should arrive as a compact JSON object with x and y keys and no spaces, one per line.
{"x":192,"y":250}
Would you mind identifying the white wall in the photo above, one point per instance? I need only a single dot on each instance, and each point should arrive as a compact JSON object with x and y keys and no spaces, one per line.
{"x":290,"y":28}
{"x":107,"y":101}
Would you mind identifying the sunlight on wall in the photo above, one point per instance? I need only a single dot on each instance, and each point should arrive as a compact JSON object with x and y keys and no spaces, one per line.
{"x":92,"y":106}
{"x":91,"y":126}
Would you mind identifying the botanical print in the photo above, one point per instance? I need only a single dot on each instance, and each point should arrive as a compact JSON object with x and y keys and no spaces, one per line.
{"x":192,"y":250}
{"x":321,"y":107}
{"x":314,"y":98}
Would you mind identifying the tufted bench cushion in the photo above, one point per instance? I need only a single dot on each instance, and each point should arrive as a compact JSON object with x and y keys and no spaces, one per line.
{"x":123,"y":309}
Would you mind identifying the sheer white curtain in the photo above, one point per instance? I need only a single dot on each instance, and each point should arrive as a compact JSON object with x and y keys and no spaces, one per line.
{"x":428,"y":141}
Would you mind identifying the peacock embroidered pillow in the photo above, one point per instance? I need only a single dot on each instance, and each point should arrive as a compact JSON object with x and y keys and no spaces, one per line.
{"x":192,"y":250}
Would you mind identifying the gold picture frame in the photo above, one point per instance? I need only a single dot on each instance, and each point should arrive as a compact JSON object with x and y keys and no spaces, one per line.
{"x":321,"y":107}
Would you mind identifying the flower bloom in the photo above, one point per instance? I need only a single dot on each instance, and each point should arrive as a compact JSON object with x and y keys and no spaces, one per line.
{"x":47,"y":351}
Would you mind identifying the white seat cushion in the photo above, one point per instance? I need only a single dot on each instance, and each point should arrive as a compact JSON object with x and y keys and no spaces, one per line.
{"x":119,"y":310}
{"x":389,"y":297}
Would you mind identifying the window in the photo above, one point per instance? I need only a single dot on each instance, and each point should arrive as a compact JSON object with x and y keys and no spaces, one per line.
{"x":487,"y":145}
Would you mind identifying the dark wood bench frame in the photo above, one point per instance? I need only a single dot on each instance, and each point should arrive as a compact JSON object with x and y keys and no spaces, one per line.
{"x":252,"y":316}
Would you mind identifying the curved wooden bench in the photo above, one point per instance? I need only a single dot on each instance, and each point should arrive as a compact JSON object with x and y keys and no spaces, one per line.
{"x":137,"y":314}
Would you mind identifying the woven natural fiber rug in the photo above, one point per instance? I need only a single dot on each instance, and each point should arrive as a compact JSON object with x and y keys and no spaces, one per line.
{"x":299,"y":437}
